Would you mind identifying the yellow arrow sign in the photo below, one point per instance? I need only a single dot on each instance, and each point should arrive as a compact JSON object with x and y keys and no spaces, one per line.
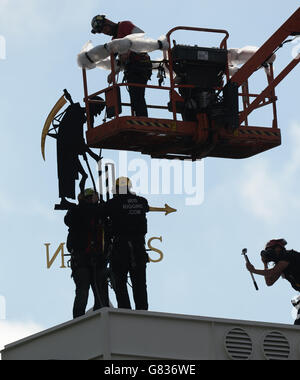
{"x":167,"y":209}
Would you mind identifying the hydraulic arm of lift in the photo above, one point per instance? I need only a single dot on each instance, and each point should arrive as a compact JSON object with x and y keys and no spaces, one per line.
{"x":290,"y":28}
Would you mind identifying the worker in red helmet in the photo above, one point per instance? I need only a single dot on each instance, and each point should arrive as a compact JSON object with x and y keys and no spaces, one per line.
{"x":137,"y":66}
{"x":287,"y":266}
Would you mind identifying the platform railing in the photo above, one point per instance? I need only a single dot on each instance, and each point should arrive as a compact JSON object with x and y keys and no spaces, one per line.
{"x":172,"y":87}
{"x":250,"y":101}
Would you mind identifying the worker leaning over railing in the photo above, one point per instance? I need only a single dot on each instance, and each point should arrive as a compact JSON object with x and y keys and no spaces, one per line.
{"x":137,"y":66}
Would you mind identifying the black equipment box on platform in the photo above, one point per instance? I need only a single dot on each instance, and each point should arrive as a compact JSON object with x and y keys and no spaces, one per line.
{"x":202,"y":67}
{"x":200,"y":54}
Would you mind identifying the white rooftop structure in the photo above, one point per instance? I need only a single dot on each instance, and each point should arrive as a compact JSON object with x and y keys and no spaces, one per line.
{"x":112,"y":334}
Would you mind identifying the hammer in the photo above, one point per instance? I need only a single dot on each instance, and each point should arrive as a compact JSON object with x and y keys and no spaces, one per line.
{"x":244,"y":253}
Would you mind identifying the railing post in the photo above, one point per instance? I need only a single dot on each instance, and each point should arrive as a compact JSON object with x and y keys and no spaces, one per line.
{"x":86,"y":99}
{"x":114,"y":84}
{"x":273,"y":94}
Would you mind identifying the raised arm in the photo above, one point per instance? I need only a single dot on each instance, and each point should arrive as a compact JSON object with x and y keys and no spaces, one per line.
{"x":271,"y":275}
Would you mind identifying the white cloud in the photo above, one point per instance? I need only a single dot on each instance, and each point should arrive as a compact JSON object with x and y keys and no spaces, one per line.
{"x":293,"y":164}
{"x":33,"y":207}
{"x":20,"y":16}
{"x":12,"y":331}
{"x":261,"y":192}
{"x":6,"y":204}
{"x":270,"y":190}
{"x":39,"y":209}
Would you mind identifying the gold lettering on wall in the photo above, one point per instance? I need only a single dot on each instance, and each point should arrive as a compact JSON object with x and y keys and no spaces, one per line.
{"x":161,"y":255}
{"x":59,"y":250}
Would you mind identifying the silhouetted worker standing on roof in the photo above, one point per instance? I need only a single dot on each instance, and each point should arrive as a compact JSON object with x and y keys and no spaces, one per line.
{"x":127,"y":213}
{"x":137,"y":66}
{"x":86,"y":244}
{"x":287,"y":266}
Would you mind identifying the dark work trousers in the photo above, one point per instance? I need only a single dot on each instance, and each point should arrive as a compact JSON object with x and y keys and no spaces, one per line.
{"x":87,"y":276}
{"x":137,"y":94}
{"x":129,"y":256}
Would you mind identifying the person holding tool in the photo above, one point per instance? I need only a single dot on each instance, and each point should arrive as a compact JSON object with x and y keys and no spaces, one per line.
{"x":86,"y":244}
{"x":137,"y":66}
{"x":287,"y":265}
{"x":244,"y":253}
{"x":127,"y":214}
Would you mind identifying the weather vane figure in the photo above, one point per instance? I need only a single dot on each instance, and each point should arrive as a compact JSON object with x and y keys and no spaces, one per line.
{"x":70,"y":143}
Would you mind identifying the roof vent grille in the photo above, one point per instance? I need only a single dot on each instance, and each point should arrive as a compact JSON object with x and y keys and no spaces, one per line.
{"x":276,"y":346}
{"x":238,"y":344}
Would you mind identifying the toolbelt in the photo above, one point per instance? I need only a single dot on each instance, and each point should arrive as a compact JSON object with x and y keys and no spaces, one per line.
{"x":138,"y":64}
{"x":139,"y":57}
{"x":86,"y":259}
{"x":136,"y":246}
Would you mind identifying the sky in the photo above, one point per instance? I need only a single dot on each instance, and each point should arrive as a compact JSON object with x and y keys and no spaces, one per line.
{"x":245,"y":204}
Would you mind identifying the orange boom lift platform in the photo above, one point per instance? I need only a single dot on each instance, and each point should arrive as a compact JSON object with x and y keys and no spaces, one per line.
{"x":220,"y":126}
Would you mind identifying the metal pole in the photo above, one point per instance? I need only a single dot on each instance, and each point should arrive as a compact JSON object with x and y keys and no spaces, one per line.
{"x":244,"y":253}
{"x":100,"y":172}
